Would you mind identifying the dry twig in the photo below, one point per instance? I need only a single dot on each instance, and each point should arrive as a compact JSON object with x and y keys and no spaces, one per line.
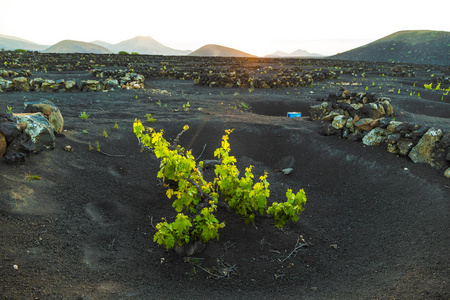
{"x":297,"y":247}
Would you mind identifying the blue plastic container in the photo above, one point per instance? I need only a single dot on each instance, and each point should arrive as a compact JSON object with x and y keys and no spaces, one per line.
{"x":294,"y":114}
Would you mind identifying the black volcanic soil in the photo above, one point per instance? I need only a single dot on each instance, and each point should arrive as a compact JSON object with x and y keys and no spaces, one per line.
{"x":376,"y":224}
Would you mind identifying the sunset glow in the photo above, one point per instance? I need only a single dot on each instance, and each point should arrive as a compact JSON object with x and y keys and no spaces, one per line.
{"x":256,"y":27}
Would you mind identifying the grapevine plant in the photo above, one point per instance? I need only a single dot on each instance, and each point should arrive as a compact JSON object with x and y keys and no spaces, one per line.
{"x":196,"y":199}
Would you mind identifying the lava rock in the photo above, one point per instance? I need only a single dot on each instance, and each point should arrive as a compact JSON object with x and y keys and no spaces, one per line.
{"x":39,"y":130}
{"x":375,"y":137}
{"x":21,"y":84}
{"x":50,"y":110}
{"x":425,"y":148}
{"x":2,"y":145}
{"x":10,"y":130}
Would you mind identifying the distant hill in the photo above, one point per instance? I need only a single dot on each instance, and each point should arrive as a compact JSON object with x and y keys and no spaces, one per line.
{"x":144,"y":45}
{"x":216,"y":50}
{"x":296,"y":53}
{"x":12,"y":43}
{"x":412,"y":46}
{"x":70,"y":46}
{"x":278,"y":54}
{"x":103,"y":44}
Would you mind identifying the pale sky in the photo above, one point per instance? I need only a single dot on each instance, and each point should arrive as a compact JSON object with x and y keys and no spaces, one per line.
{"x":257,"y":27}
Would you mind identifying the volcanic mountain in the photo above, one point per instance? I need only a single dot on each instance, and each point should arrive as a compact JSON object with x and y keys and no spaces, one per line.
{"x":12,"y":43}
{"x":70,"y":46}
{"x":412,"y":46}
{"x":142,"y":45}
{"x":216,"y":50}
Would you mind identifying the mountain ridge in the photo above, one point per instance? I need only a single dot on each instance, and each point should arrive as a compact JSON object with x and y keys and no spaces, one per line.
{"x":406,"y":46}
{"x":71,"y":46}
{"x":218,"y":50}
{"x":296,"y":53}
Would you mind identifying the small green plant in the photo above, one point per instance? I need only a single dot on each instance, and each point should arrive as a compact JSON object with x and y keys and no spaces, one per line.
{"x":158,"y":103}
{"x":20,"y":50}
{"x":97,"y":145}
{"x":236,"y":94}
{"x":398,"y":91}
{"x":116,"y":126}
{"x":84,"y":115}
{"x":428,"y":86}
{"x":244,"y":106}
{"x":367,"y":88}
{"x":134,"y":53}
{"x":196,"y":199}
{"x":9,"y":109}
{"x":105,"y":134}
{"x":123,"y":53}
{"x":150,"y":119}
{"x":30,"y":177}
{"x":90,"y":147}
{"x":186,"y":106}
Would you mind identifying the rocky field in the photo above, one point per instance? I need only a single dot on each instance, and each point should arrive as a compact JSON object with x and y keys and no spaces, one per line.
{"x":79,"y":201}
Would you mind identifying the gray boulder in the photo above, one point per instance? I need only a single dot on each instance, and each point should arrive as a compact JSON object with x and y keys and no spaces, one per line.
{"x":49,"y":110}
{"x":21,"y":84}
{"x":5,"y":85}
{"x":424,"y":151}
{"x":375,"y":137}
{"x":339,"y":121}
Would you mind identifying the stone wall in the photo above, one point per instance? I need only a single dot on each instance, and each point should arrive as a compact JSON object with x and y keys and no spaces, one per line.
{"x":369,"y":119}
{"x":119,"y":80}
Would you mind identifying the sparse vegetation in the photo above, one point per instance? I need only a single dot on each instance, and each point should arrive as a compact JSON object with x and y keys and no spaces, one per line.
{"x":84,"y":115}
{"x":150,"y":119}
{"x":30,"y":177}
{"x":196,"y":200}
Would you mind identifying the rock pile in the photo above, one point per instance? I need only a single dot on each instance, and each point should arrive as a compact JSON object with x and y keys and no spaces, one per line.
{"x":29,"y":132}
{"x":120,"y":78}
{"x":366,"y":118}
